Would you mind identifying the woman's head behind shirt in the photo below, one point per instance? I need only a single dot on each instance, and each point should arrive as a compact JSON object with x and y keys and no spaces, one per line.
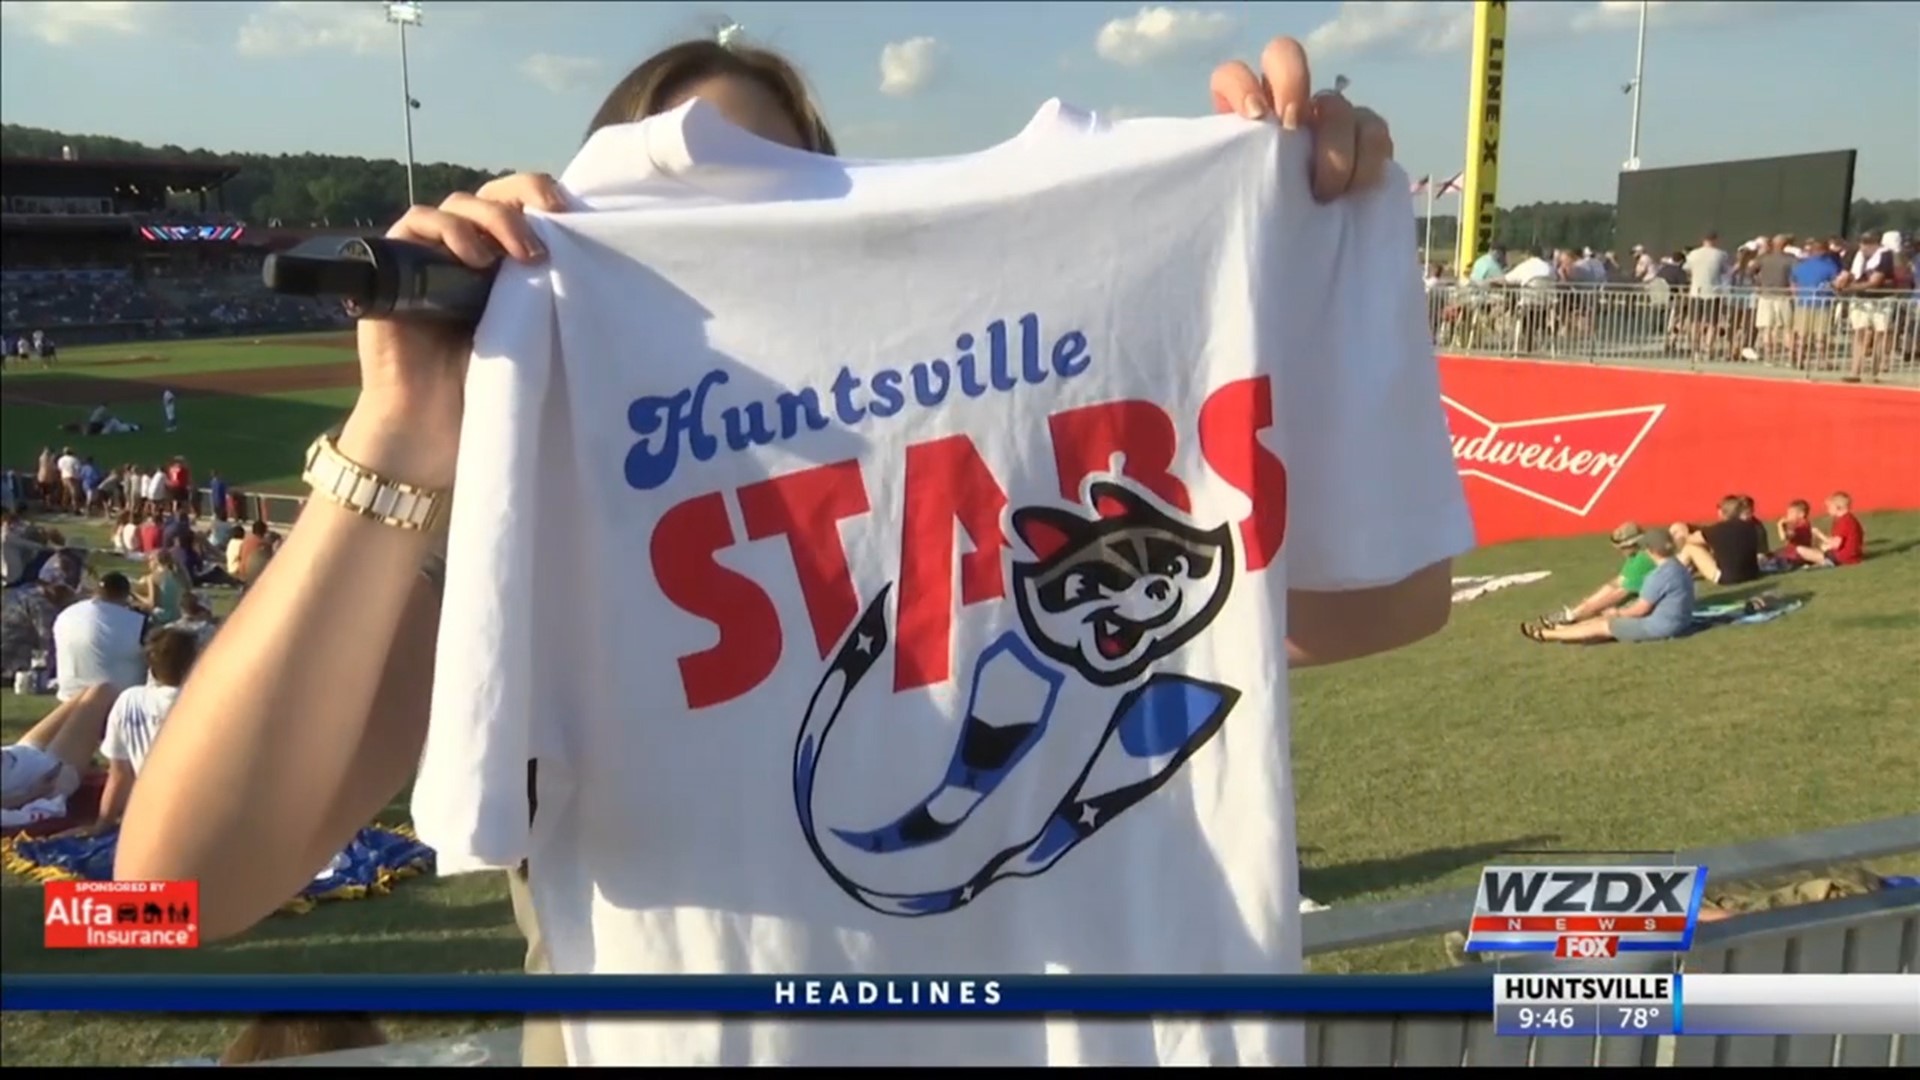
{"x":755,"y":89}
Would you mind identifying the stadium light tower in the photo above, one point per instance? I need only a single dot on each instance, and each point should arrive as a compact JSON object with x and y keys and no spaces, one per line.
{"x":1639,"y":78}
{"x":405,"y":13}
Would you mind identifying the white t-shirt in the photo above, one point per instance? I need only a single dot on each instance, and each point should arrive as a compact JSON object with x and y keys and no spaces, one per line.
{"x":157,"y":485}
{"x":97,"y":642}
{"x":1529,"y":271}
{"x":69,"y":467}
{"x":911,"y":650}
{"x":1707,"y":270}
{"x":134,"y":722}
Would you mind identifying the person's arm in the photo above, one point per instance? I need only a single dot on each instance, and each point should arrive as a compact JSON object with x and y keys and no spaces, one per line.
{"x":1329,"y":627}
{"x":1378,"y":512}
{"x":299,"y":723}
{"x":309,"y":711}
{"x":1633,"y":609}
{"x":113,"y":801}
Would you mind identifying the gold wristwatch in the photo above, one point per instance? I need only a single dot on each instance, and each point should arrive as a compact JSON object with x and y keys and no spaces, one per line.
{"x":334,"y":477}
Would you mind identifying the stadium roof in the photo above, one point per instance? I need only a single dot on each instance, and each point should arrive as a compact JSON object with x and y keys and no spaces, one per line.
{"x":57,"y":176}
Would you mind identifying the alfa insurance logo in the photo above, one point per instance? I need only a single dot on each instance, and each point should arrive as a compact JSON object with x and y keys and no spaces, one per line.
{"x":1567,"y":462}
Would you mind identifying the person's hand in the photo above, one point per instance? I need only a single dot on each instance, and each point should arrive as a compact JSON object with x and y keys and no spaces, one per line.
{"x":406,"y":424}
{"x":1351,"y":146}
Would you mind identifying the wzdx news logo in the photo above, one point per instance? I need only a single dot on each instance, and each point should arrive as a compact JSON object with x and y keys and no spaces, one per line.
{"x":1586,"y":912}
{"x":123,"y":915}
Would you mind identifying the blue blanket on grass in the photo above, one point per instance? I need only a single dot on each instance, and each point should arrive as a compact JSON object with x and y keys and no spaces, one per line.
{"x":1712,"y":615}
{"x":378,"y":857}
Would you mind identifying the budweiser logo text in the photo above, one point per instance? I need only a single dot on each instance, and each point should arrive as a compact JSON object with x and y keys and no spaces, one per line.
{"x":1564,"y":461}
{"x":1586,"y":912}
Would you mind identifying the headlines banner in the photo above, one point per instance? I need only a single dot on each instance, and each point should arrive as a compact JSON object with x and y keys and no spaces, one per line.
{"x":1585,"y":1001}
{"x":1449,"y":993}
{"x":1561,"y":449}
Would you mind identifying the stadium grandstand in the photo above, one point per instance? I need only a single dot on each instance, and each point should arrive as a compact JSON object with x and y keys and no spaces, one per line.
{"x":99,"y":251}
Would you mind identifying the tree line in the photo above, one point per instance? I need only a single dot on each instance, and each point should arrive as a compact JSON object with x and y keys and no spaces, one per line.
{"x":297,"y":190}
{"x":328,"y":189}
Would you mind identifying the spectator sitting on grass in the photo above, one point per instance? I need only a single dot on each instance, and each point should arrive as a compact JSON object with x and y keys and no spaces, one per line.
{"x":1624,"y":586}
{"x":196,"y":619}
{"x":1844,"y":543}
{"x":134,"y":721}
{"x":255,"y":549}
{"x":126,"y":534}
{"x":26,"y":624}
{"x":1726,"y":552}
{"x":1663,"y":610}
{"x":160,"y":591}
{"x":224,"y":528}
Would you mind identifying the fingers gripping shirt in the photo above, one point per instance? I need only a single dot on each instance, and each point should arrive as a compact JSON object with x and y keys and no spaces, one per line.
{"x":887,"y":564}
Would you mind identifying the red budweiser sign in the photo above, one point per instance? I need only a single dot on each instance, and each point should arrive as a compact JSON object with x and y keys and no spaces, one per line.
{"x":1567,"y":461}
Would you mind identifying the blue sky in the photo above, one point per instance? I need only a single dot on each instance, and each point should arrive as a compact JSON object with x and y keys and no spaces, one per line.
{"x":511,"y":85}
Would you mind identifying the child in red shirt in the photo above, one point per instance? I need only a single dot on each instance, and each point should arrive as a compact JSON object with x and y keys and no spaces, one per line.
{"x":1797,"y":544}
{"x":1845,"y":542}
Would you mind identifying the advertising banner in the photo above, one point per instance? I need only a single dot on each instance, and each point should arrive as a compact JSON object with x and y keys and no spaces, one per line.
{"x":1552,"y":449}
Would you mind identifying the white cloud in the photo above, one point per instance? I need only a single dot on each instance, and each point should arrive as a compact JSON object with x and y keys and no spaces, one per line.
{"x":906,"y":67}
{"x":1412,"y":26}
{"x":559,"y":73}
{"x":282,"y":28}
{"x":1158,"y":33}
{"x":1396,"y":26}
{"x":66,"y":23}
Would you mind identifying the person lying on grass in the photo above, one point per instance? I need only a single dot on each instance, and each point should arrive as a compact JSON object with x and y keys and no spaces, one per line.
{"x":1664,"y":608}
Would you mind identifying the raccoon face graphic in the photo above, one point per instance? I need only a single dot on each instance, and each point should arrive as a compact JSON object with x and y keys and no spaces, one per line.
{"x":1108,"y":596}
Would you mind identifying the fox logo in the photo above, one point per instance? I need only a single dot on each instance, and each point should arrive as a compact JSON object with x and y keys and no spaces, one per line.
{"x":1109,"y":596}
{"x":1105,"y":597}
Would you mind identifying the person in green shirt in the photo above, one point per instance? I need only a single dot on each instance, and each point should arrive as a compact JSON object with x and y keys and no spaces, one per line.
{"x":1623,"y":588}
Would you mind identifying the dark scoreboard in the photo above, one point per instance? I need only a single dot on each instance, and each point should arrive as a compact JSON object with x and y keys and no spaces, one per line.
{"x":1671,"y":209}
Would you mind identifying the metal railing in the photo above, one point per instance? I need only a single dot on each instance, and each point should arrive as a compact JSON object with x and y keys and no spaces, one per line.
{"x":1745,"y":331}
{"x":1875,"y":932}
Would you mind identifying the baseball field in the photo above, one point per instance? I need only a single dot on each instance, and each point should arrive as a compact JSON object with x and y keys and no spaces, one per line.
{"x":1412,"y":769}
{"x":247,"y":406}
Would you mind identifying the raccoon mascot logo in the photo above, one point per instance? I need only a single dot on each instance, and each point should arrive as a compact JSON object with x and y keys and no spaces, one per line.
{"x":1103,"y":599}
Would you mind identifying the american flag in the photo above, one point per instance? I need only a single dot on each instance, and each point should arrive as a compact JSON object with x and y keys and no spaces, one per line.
{"x":1446,"y":188}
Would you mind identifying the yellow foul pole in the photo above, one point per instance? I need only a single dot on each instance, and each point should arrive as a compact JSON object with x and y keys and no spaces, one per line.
{"x":1483,"y":132}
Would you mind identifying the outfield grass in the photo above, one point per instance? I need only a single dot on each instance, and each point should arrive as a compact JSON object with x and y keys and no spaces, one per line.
{"x":255,"y":442}
{"x":144,"y":359}
{"x":1412,"y":770}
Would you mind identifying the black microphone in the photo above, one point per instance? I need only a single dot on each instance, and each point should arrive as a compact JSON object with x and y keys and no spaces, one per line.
{"x":374,"y":277}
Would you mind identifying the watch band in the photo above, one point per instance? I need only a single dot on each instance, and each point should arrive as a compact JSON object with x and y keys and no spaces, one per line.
{"x":339,"y":480}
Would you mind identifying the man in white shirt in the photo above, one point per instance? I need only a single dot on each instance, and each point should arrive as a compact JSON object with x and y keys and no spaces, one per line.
{"x":167,"y":406}
{"x":156,"y":492}
{"x":998,"y":581}
{"x":69,"y":466}
{"x":97,"y":642}
{"x":137,"y":714}
{"x":97,"y":653}
{"x":1530,"y":270}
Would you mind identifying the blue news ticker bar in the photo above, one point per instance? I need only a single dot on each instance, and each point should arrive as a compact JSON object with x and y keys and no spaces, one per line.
{"x":1465,"y":993}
